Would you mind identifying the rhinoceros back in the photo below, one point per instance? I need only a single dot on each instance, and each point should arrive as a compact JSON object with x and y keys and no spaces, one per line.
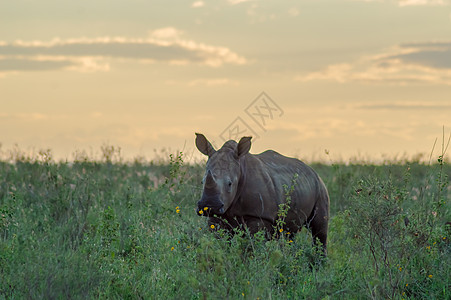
{"x":308,"y":186}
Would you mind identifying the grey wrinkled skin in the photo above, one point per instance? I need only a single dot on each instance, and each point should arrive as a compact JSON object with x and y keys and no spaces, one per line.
{"x":244,"y":190}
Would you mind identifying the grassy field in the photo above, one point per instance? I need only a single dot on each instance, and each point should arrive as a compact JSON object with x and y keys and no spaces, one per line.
{"x":108,"y":229}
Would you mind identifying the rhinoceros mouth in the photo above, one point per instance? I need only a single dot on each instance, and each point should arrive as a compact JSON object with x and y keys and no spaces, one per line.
{"x":210,"y":210}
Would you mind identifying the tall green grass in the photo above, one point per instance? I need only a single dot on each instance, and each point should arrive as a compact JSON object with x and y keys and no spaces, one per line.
{"x":110,"y":229}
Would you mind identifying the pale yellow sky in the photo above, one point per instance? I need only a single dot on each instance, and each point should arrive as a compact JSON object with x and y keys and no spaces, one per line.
{"x":358,"y":78}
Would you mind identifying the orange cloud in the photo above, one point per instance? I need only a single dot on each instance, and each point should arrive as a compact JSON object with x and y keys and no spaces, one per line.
{"x":95,"y":54}
{"x":427,"y":63}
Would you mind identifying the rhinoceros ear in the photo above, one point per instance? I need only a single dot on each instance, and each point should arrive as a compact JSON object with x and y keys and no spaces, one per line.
{"x":204,"y":145}
{"x":244,"y":146}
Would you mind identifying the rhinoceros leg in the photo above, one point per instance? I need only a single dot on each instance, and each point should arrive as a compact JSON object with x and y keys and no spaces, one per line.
{"x":256,"y":224}
{"x":319,"y":224}
{"x":219,"y":223}
{"x":252,"y":224}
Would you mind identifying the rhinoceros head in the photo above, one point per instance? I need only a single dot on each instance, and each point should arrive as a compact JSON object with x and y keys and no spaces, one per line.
{"x":222,"y":175}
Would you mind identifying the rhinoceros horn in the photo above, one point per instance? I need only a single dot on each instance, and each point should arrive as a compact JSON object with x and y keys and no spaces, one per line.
{"x":210,"y":181}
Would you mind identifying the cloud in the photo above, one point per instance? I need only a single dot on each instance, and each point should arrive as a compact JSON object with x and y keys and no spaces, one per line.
{"x":198,"y":4}
{"x":24,"y":117}
{"x":93,"y":54}
{"x":235,"y":2}
{"x":433,"y":54}
{"x":17,"y":64}
{"x":402,"y":3}
{"x":258,"y":14}
{"x":165,"y":33}
{"x":212,"y":82}
{"x":294,"y":12}
{"x":410,"y":63}
{"x":404,"y":106}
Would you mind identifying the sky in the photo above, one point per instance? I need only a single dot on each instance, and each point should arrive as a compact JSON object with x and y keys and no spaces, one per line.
{"x":315,"y":79}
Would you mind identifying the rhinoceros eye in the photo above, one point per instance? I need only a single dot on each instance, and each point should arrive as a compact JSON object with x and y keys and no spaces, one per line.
{"x":230,"y":183}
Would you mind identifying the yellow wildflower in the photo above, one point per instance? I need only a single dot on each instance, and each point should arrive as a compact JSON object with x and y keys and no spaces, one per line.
{"x":212,"y":226}
{"x":281,"y":229}
{"x":407,"y":284}
{"x":201,"y":211}
{"x":290,"y":241}
{"x":206,"y":207}
{"x":430,"y":275}
{"x":172,"y":248}
{"x":400,"y":268}
{"x":177,"y":211}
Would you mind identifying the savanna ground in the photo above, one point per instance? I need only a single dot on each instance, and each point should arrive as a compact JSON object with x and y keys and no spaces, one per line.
{"x":109,"y":229}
